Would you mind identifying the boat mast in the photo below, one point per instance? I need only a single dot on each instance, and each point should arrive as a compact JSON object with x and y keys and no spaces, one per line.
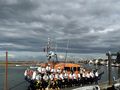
{"x":48,"y":45}
{"x":66,"y":51}
{"x":50,"y":52}
{"x":56,"y":51}
{"x":48,"y":49}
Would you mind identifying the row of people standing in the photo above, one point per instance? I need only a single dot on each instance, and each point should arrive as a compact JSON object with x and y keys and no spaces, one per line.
{"x":51,"y":78}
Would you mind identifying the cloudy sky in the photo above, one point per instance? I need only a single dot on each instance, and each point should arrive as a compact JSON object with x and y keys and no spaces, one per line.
{"x":91,"y":26}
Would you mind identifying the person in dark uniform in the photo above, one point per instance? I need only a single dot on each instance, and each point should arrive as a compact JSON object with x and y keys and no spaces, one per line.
{"x":96,"y":77}
{"x":66,"y":79}
{"x":70,"y":80}
{"x":59,"y":82}
{"x":79,"y":79}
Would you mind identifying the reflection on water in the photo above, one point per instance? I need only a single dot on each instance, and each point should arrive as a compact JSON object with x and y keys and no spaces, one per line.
{"x":16,"y":78}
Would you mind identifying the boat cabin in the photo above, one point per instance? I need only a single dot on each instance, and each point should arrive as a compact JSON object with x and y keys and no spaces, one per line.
{"x":70,"y":67}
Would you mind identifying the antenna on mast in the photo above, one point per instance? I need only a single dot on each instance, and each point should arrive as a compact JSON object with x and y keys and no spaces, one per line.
{"x":48,"y":45}
{"x":56,"y":47}
{"x":50,"y":52}
{"x":66,"y":51}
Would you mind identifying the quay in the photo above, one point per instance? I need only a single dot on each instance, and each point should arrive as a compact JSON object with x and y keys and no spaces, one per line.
{"x":106,"y":86}
{"x":100,"y":86}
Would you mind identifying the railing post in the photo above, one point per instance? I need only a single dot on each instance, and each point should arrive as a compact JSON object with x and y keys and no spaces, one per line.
{"x":109,"y":67}
{"x":6,"y":72}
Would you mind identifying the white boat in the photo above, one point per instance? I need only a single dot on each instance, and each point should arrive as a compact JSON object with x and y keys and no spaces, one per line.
{"x":17,"y":65}
{"x":115,"y":65}
{"x":116,"y":86}
{"x":33,"y":67}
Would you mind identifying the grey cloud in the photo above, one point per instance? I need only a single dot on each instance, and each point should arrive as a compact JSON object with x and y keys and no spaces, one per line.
{"x":90,"y":26}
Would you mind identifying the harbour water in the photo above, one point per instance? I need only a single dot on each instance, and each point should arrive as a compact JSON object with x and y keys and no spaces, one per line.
{"x":16,"y":78}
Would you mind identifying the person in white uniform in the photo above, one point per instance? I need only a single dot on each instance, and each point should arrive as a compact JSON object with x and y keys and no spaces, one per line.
{"x":34,"y":75}
{"x":74,"y":79}
{"x":39,"y":69}
{"x":96,"y":77}
{"x":91,"y":77}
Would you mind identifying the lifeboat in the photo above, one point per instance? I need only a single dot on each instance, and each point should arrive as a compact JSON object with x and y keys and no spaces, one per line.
{"x":59,"y":72}
{"x":62,"y":65}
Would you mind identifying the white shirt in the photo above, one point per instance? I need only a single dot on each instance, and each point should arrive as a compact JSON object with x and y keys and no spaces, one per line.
{"x":70,"y":76}
{"x":83,"y":75}
{"x":43,"y":70}
{"x":55,"y":70}
{"x":39,"y":69}
{"x":38,"y":77}
{"x":25,"y":73}
{"x":61,"y":76}
{"x":66,"y":75}
{"x":51,"y":76}
{"x":79,"y":75}
{"x":96,"y":74}
{"x":52,"y":70}
{"x":88,"y":75}
{"x":91,"y":74}
{"x":58,"y":70}
{"x":74,"y":76}
{"x":57,"y":76}
{"x":34,"y":75}
{"x":48,"y":68}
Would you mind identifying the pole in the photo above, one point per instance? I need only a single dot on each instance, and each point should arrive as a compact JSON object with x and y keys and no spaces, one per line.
{"x":6,"y":72}
{"x":66,"y":51}
{"x":109,"y":68}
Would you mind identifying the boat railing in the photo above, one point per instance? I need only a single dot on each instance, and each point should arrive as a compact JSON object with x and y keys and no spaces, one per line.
{"x":104,"y":85}
{"x":117,"y":81}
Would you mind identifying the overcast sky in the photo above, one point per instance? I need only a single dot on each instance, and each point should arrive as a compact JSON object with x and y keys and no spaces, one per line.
{"x":91,"y":26}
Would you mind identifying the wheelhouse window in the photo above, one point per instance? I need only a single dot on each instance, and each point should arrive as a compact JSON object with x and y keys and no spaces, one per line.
{"x":67,"y":68}
{"x":78,"y":68}
{"x":74,"y":68}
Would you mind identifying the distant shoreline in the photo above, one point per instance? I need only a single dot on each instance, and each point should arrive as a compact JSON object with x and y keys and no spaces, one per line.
{"x":18,"y":63}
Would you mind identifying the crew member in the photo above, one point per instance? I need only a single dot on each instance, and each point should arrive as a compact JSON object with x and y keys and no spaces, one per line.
{"x":96,"y":77}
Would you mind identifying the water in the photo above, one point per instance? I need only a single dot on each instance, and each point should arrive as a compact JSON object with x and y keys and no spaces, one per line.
{"x":16,"y":78}
{"x":115,"y":72}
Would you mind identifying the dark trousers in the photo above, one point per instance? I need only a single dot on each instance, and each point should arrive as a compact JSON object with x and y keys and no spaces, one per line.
{"x":70,"y":83}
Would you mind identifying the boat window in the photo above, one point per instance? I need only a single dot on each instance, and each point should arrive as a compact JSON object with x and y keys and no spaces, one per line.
{"x":67,"y":68}
{"x":74,"y":68}
{"x":78,"y":68}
